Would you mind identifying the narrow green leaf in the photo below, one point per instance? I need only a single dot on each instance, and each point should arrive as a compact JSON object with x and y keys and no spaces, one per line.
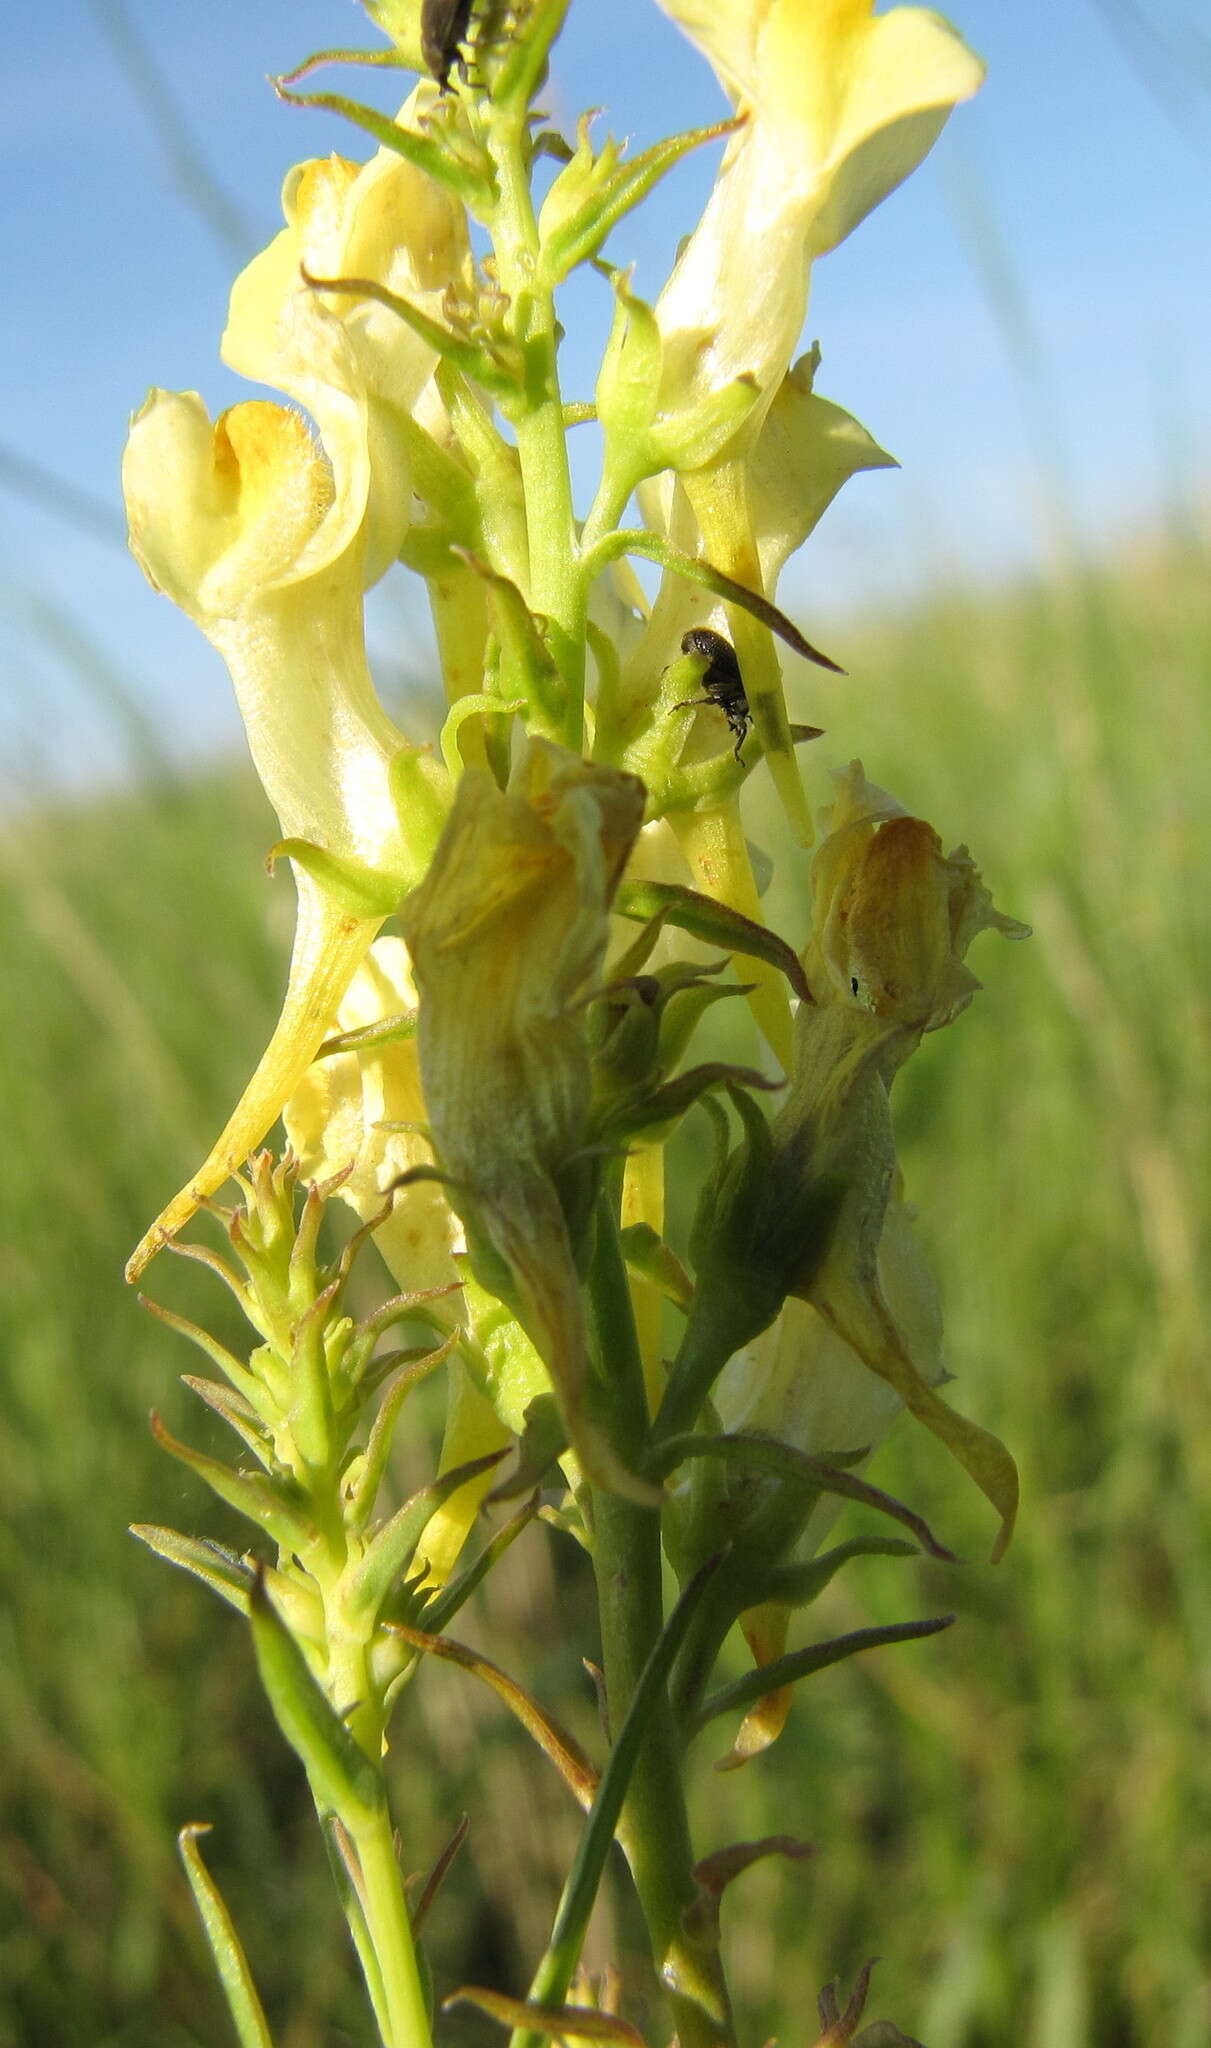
{"x":646,"y":1253}
{"x":452,"y":1596}
{"x":342,"y":1777}
{"x":797,"y":1585}
{"x":801,"y":1663}
{"x":439,"y":1873}
{"x":427,"y":156}
{"x":245,"y":2007}
{"x":236,"y":1413}
{"x":567,"y":1756}
{"x":707,"y":577}
{"x":583,"y":234}
{"x":351,"y":1891}
{"x":767,"y":1454}
{"x":373,"y":1462}
{"x":213,"y":1563}
{"x":262,"y":1500}
{"x":714,"y":922}
{"x":390,"y":1031}
{"x":469,"y":357}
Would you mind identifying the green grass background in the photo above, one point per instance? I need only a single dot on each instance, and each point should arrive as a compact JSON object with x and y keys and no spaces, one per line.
{"x":1016,"y":1816}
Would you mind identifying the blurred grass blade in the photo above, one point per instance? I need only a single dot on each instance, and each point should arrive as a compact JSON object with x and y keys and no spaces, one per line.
{"x":570,"y":2022}
{"x":229,"y":1958}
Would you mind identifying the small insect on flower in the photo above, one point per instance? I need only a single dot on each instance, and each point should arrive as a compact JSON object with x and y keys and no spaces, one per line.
{"x":444,"y":34}
{"x":721,"y":680}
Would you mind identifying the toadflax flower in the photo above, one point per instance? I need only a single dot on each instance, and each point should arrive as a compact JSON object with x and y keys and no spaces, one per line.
{"x":893,"y":918}
{"x":269,"y":542}
{"x":842,"y":105}
{"x":507,"y":934}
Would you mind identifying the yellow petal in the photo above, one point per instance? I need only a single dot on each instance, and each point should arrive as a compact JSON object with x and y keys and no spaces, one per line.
{"x":347,"y":1111}
{"x":842,"y":104}
{"x":328,"y":947}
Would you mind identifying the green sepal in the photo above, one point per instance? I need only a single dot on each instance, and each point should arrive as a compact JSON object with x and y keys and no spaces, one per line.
{"x":361,"y":891}
{"x":692,"y":439}
{"x":442,"y":1608}
{"x":388,"y":60}
{"x":364,"y":1477}
{"x":654,"y":548}
{"x":786,"y":1461}
{"x":262,"y":1501}
{"x":245,"y":1383}
{"x":391,"y":1031}
{"x":342,"y":1777}
{"x":213,"y":1563}
{"x":543,"y":1439}
{"x":499,"y":369}
{"x":231,"y":1964}
{"x":422,"y":794}
{"x":524,"y":63}
{"x":394,"y":1547}
{"x":628,"y":382}
{"x":231,"y":1576}
{"x":799,"y":1664}
{"x":526,"y":659}
{"x":476,"y":704}
{"x":647,"y":1254}
{"x":437,"y":162}
{"x":598,"y":191}
{"x":684,"y":1011}
{"x":237,"y":1414}
{"x":668,"y":1103}
{"x":703,"y":918}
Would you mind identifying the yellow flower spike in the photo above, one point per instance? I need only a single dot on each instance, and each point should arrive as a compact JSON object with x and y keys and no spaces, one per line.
{"x":842,"y":105}
{"x":247,"y":527}
{"x":507,"y":934}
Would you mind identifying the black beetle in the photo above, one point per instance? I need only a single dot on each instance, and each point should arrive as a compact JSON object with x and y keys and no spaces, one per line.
{"x":721,"y":680}
{"x":443,"y":34}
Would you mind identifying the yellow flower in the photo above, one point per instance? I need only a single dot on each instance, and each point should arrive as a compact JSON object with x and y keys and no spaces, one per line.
{"x":842,"y":105}
{"x":261,"y":540}
{"x":892,"y":915}
{"x":808,"y":1209}
{"x":344,"y":356}
{"x":364,"y":1110}
{"x":507,"y":934}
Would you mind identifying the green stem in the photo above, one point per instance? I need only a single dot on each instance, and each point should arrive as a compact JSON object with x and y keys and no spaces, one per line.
{"x":627,"y":1564}
{"x":556,"y":590}
{"x":391,"y":1933}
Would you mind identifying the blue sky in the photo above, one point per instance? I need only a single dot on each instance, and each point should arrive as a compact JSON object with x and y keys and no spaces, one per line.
{"x":1023,"y":324}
